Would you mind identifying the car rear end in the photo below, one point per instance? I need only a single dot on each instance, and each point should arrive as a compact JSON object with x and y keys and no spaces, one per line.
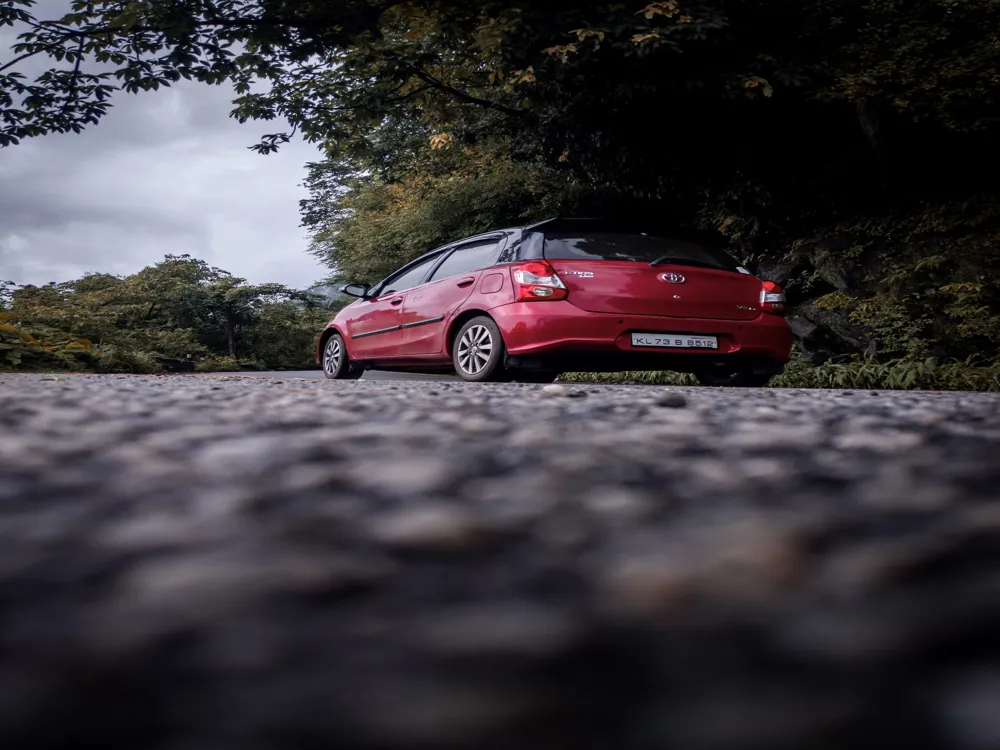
{"x":593,"y":297}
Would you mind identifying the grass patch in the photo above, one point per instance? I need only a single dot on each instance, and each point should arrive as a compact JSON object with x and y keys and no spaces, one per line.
{"x":899,"y":375}
{"x":652,"y":377}
{"x":928,"y":374}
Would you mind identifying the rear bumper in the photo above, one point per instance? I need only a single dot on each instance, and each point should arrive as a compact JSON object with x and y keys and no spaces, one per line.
{"x":561,"y":334}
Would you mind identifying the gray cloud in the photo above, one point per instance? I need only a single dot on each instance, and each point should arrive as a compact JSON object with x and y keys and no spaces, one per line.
{"x":164,"y":172}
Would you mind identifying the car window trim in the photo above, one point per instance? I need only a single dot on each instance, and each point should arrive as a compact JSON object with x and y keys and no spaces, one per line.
{"x":449,"y":251}
{"x":378,"y":290}
{"x":442,"y":253}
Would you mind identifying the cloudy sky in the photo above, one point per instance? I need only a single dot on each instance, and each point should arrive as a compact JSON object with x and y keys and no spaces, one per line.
{"x":164,"y":172}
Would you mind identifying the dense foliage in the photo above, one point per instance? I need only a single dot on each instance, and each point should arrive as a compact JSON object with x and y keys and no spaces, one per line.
{"x":848,"y":148}
{"x":179,"y":314}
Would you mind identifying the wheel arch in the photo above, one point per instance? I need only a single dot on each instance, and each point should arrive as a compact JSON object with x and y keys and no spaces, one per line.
{"x":324,"y":337}
{"x":460,"y":320}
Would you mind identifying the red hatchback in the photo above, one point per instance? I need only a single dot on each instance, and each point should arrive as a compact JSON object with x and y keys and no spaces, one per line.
{"x":565,"y":295}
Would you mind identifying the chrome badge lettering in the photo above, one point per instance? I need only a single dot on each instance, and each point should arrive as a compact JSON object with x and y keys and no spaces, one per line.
{"x":578,"y":274}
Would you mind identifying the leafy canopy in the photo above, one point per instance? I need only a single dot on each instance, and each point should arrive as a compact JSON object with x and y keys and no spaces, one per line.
{"x":178,"y":309}
{"x":758,"y":108}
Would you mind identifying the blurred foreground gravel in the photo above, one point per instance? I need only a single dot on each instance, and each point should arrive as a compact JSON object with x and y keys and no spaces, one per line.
{"x":195,"y":563}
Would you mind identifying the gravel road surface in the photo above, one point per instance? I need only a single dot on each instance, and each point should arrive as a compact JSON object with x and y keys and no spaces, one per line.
{"x":192,"y":563}
{"x":369,"y":375}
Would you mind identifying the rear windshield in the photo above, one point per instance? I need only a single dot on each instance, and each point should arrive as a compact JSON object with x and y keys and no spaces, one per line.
{"x":635,"y":247}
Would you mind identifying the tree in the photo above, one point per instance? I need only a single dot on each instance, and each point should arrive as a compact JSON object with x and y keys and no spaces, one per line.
{"x":375,"y":225}
{"x":6,"y":294}
{"x":569,"y":71}
{"x":178,"y":310}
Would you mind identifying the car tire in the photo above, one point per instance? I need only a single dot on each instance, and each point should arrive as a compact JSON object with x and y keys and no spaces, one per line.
{"x":478,"y":352}
{"x":336,"y":364}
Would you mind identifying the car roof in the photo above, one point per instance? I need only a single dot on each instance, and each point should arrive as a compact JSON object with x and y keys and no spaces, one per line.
{"x":470,"y":238}
{"x":581,"y":223}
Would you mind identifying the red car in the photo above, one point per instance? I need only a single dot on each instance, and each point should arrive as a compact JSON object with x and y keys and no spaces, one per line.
{"x":565,"y":295}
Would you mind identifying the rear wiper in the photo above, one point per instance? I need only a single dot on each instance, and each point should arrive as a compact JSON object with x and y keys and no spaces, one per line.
{"x":680,"y":261}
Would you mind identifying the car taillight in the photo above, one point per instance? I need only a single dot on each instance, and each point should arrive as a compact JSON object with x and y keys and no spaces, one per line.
{"x":537,"y":281}
{"x":772,"y":298}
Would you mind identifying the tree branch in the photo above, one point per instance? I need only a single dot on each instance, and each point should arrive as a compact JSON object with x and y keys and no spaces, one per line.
{"x":25,"y":56}
{"x":461,"y":95}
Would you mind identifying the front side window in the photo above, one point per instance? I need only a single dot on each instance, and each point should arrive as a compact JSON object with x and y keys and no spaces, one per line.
{"x":633,"y":247}
{"x":469,"y":258}
{"x":408,"y":279}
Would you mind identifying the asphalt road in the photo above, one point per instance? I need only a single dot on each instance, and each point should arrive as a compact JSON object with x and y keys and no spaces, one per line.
{"x":245,"y":563}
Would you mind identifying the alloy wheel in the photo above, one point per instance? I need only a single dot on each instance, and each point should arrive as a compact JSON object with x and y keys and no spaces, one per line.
{"x":332,"y":356}
{"x":474,"y":349}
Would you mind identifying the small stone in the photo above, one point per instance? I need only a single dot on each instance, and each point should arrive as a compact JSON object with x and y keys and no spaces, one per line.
{"x":746,"y":563}
{"x":501,"y":630}
{"x":437,"y":528}
{"x":864,"y":567}
{"x":480,"y":424}
{"x":672,"y":400}
{"x":555,"y":390}
{"x":192,"y":584}
{"x":618,"y":503}
{"x":324,"y":574}
{"x":405,"y":476}
{"x":528,"y":437}
{"x":971,"y":711}
{"x":566,"y":534}
{"x":884,"y":441}
{"x":423,"y":711}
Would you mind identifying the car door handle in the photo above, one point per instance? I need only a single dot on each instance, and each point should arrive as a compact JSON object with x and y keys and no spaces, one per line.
{"x":396,"y":301}
{"x":466,"y":282}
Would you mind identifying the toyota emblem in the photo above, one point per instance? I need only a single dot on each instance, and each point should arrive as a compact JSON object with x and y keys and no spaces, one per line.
{"x":672,"y":278}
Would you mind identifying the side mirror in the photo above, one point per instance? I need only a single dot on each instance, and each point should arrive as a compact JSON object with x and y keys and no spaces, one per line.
{"x":356,"y":290}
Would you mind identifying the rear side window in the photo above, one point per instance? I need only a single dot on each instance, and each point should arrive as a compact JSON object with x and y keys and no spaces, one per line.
{"x":469,"y":258}
{"x":408,"y":279}
{"x":634,"y":247}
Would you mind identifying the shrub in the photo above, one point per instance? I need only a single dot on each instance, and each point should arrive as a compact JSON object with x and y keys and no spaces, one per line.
{"x":113,"y":358}
{"x":31,"y":347}
{"x":927,"y":374}
{"x":218,"y":364}
{"x":899,"y":374}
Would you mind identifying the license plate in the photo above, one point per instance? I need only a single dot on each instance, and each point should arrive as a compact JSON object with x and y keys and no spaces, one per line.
{"x":674,"y":341}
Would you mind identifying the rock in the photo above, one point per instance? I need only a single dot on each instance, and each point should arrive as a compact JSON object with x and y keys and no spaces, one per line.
{"x":672,"y":400}
{"x":779,"y":273}
{"x":833,"y":330}
{"x":506,"y":630}
{"x":880,"y":441}
{"x":801,"y":326}
{"x":427,"y":528}
{"x":970,"y":710}
{"x":403,"y":476}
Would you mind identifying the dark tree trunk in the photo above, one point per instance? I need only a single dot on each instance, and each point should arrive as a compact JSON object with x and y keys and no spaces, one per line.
{"x":230,"y":338}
